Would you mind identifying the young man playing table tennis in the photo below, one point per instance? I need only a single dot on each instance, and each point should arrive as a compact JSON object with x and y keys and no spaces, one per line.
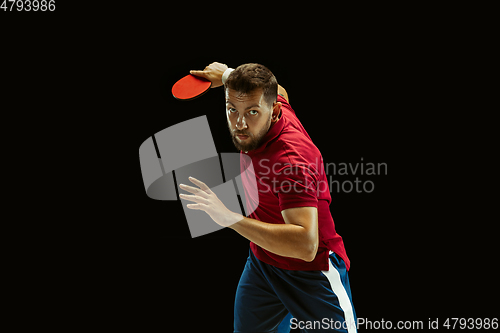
{"x":297,"y":264}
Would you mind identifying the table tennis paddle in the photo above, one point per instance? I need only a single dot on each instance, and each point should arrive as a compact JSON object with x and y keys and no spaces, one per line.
{"x":190,"y":87}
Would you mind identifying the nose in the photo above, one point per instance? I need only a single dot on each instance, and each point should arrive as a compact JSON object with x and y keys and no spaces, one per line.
{"x":241,"y":123}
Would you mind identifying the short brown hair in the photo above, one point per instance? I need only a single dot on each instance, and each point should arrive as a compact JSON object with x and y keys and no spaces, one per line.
{"x":248,"y":77}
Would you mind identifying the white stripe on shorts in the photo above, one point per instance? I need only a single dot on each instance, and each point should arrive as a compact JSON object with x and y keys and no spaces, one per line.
{"x":333,"y":277}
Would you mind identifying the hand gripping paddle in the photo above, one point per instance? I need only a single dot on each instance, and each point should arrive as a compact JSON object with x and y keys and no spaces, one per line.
{"x":190,"y":87}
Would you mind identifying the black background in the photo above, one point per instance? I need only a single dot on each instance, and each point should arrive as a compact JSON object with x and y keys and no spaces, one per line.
{"x":101,"y":80}
{"x":412,"y":256}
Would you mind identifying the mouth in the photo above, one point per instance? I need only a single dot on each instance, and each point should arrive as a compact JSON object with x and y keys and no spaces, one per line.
{"x":242,"y":137}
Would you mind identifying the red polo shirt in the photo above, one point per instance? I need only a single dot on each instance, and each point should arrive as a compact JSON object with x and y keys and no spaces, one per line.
{"x":289,"y":172}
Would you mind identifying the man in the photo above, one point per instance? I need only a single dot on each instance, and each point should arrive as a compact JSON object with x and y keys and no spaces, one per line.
{"x":297,"y":264}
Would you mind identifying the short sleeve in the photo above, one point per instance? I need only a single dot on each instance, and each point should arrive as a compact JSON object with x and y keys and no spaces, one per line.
{"x":296,"y":186}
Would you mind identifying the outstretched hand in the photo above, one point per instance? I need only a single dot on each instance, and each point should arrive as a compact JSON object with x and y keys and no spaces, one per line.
{"x":213,"y":73}
{"x":207,"y":201}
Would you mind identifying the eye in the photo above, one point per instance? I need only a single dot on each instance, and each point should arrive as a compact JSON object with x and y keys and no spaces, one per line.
{"x":232,"y":110}
{"x":253,"y":112}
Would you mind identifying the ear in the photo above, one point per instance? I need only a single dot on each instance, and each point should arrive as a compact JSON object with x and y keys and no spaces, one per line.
{"x":276,"y":111}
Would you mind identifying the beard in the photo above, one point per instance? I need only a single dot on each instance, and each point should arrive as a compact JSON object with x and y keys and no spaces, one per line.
{"x":253,"y":141}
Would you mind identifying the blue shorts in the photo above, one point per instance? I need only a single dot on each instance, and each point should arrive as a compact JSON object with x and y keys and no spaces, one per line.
{"x":271,"y":299}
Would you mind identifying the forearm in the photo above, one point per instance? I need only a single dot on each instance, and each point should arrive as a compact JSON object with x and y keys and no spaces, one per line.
{"x":288,"y":240}
{"x":297,"y":238}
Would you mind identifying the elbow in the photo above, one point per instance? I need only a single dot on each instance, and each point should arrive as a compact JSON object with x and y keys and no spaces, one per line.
{"x":310,"y":251}
{"x":282,"y":92}
{"x":310,"y":246}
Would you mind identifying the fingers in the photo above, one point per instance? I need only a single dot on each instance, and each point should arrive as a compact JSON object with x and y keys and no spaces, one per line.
{"x":194,"y":206}
{"x":193,"y":190}
{"x":200,"y":184}
{"x":202,"y":191}
{"x":199,"y":73}
{"x":194,"y":198}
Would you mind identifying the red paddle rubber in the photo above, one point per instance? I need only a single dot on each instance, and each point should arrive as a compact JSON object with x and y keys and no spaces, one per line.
{"x":190,"y":87}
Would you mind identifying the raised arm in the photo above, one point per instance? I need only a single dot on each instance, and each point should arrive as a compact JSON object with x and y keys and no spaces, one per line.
{"x":214,"y":71}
